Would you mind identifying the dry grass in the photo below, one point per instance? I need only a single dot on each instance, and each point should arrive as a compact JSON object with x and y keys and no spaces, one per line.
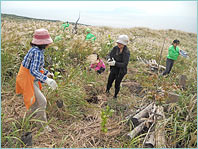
{"x":78,"y":124}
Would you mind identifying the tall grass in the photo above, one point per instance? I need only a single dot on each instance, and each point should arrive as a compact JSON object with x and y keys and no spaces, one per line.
{"x":11,"y":134}
{"x":68,"y":58}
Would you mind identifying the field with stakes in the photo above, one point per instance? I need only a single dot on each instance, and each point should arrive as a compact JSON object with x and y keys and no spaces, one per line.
{"x":151,"y":110}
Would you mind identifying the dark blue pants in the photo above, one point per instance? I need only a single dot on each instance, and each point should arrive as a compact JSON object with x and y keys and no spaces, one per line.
{"x":169,"y":65}
{"x":118,"y":79}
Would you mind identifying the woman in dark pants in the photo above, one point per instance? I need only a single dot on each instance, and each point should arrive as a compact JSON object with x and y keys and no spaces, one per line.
{"x":173,"y":53}
{"x":118,"y":60}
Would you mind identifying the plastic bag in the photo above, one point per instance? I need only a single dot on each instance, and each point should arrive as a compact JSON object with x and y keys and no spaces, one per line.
{"x":183,"y":53}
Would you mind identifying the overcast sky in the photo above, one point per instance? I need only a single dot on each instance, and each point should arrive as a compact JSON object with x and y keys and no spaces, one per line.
{"x":180,"y":15}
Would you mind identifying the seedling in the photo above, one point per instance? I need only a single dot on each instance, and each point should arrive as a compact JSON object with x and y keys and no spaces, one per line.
{"x":104,"y":116}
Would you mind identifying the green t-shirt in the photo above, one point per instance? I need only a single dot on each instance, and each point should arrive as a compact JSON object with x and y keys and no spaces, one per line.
{"x":90,"y":36}
{"x":173,"y":53}
{"x":57,"y":38}
{"x":65,"y":25}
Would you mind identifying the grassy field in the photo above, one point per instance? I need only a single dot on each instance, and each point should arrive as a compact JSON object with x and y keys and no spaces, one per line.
{"x":79,"y":123}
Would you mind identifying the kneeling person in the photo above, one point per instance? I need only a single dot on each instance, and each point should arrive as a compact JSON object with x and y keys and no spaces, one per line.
{"x":98,"y":66}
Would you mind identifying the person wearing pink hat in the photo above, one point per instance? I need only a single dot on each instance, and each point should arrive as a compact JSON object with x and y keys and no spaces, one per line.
{"x":32,"y":74}
{"x":118,"y":60}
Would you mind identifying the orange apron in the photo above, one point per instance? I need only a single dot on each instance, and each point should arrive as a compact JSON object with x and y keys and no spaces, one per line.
{"x":24,"y":86}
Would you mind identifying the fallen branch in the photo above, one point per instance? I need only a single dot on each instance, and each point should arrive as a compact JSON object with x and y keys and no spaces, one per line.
{"x":151,"y":63}
{"x":153,"y":118}
{"x":136,"y":130}
{"x":148,"y":133}
{"x":137,"y":111}
{"x":150,"y":141}
{"x":142,"y":114}
{"x":159,"y":129}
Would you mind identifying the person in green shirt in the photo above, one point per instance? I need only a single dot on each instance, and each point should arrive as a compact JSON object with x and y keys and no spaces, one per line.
{"x":57,"y":38}
{"x":90,"y":36}
{"x":173,"y":53}
{"x":64,"y":25}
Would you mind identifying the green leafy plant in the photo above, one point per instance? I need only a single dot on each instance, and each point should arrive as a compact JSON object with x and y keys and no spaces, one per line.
{"x":17,"y":128}
{"x":104,"y":116}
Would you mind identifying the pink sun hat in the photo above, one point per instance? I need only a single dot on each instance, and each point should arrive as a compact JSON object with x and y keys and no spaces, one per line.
{"x":41,"y":37}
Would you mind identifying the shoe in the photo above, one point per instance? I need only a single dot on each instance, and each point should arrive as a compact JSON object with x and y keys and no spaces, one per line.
{"x":115,"y":97}
{"x":48,"y":129}
{"x":107,"y":91}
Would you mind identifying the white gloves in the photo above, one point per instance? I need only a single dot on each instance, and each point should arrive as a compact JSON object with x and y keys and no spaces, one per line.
{"x":50,"y":74}
{"x":111,"y":63}
{"x":51,"y":83}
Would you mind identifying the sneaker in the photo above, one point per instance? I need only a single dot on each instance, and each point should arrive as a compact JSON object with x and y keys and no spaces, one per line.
{"x":48,"y":129}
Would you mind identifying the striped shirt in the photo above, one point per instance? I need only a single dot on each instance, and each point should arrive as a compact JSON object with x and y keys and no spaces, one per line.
{"x":34,"y":61}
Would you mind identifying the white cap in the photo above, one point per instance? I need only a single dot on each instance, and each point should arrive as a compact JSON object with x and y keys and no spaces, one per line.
{"x":123,"y":39}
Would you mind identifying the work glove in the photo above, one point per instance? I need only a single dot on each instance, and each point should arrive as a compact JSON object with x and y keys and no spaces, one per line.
{"x":112,"y":63}
{"x":108,"y":60}
{"x":51,"y":75}
{"x":51,"y":83}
